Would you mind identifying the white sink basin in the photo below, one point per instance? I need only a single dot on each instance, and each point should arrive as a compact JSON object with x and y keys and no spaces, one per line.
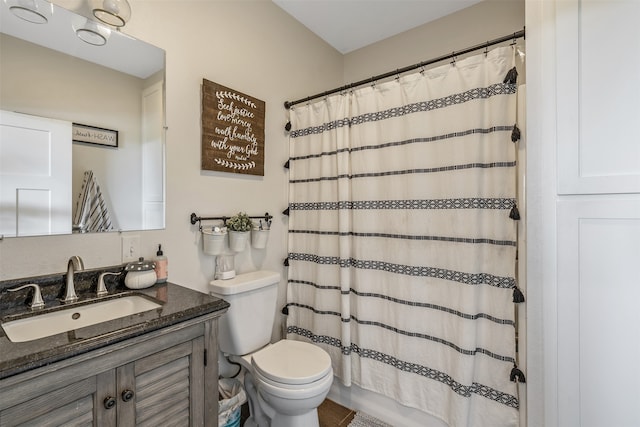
{"x":75,"y":317}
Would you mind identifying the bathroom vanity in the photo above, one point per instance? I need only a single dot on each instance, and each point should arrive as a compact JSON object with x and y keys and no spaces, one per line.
{"x":157,"y":367}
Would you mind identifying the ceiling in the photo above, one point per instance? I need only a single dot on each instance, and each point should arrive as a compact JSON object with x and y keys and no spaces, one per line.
{"x":348,"y":25}
{"x":141,"y":59}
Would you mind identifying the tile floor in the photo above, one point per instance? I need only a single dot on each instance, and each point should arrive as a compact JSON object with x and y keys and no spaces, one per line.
{"x":332,"y":414}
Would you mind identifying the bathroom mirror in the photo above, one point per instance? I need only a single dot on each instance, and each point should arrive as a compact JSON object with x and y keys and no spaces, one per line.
{"x":110,"y":99}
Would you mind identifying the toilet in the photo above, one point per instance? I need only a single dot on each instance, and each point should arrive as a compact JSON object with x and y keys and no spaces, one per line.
{"x":285,"y":381}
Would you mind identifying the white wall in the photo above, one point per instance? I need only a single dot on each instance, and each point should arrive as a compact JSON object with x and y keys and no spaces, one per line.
{"x":471,"y":26}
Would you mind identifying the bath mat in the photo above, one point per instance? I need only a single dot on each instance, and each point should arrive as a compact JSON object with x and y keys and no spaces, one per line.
{"x":364,"y":420}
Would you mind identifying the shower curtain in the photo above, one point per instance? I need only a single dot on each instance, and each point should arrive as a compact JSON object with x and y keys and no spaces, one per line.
{"x":402,"y":245}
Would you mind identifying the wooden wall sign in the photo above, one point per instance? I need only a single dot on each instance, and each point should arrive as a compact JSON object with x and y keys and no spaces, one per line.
{"x":232,"y":130}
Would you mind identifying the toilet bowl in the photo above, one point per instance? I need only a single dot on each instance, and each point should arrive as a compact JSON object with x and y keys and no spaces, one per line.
{"x":285,"y":381}
{"x":297,"y":407}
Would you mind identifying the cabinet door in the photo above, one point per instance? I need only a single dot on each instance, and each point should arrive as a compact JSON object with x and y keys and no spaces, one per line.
{"x":71,"y":405}
{"x":598,"y":318}
{"x":165,"y":388}
{"x":597,"y":92}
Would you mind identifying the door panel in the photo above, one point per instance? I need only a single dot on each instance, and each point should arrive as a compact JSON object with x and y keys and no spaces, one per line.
{"x":35,"y":175}
{"x":598,"y":342}
{"x":153,"y":157}
{"x":596,"y":96}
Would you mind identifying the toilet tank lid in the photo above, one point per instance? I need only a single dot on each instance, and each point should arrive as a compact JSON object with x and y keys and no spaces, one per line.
{"x":244,"y":282}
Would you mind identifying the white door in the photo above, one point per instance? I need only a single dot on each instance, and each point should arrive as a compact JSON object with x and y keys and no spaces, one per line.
{"x":153,"y":157}
{"x":35,"y":175}
{"x":596,"y":105}
{"x":583,"y":230}
{"x":598,"y":317}
{"x":598,"y":233}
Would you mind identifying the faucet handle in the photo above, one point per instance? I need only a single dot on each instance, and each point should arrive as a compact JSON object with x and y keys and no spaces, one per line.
{"x":37,"y":301}
{"x":102,"y":288}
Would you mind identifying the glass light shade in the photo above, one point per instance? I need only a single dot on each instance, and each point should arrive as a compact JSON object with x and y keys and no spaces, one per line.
{"x":30,"y":10}
{"x":113,"y":12}
{"x":93,"y":33}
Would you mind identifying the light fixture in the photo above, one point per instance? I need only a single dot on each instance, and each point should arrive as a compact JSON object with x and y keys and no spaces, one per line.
{"x":29,"y":11}
{"x":112,"y":12}
{"x":93,"y":33}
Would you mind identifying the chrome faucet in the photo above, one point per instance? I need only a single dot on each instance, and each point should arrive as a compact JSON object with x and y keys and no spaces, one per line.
{"x":75,"y":264}
{"x":36,"y":301}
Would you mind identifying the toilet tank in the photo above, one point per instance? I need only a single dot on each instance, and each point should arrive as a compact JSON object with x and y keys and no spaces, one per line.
{"x":247,"y":324}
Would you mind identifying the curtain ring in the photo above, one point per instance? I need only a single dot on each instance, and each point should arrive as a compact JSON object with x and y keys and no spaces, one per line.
{"x":453,"y":55}
{"x":486,"y":50}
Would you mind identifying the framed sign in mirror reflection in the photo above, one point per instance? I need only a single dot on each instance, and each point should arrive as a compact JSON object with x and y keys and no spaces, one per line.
{"x":94,"y":135}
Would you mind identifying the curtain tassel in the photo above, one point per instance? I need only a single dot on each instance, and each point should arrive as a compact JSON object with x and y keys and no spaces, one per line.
{"x":511,"y":77}
{"x":286,"y":262}
{"x":515,"y":213}
{"x":287,"y":127}
{"x":518,"y":296}
{"x":515,"y":134}
{"x":286,"y":165}
{"x":517,"y":375}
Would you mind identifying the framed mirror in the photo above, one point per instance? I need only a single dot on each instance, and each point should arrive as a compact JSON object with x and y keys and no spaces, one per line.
{"x":83,"y":126}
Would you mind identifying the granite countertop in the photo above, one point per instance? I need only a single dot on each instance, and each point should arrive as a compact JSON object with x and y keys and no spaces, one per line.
{"x":178,"y":304}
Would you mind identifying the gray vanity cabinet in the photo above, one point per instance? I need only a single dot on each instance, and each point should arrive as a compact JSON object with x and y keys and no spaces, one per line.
{"x":165,"y":377}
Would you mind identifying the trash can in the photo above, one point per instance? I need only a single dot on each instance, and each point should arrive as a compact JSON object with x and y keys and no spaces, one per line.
{"x":232,"y":396}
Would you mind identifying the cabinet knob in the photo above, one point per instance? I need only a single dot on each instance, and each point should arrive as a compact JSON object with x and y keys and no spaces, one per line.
{"x":127,"y":395}
{"x":109,"y":402}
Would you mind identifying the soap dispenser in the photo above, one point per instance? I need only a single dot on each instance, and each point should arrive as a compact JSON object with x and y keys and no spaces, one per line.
{"x":162,"y":267}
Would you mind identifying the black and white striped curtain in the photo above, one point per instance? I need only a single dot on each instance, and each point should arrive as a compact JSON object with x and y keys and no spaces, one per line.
{"x":401,"y":247}
{"x":91,"y":213}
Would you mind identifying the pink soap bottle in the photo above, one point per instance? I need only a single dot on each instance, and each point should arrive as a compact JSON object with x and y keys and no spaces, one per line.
{"x":162,"y":267}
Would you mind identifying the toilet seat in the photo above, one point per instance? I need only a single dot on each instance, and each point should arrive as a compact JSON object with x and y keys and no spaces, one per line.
{"x":292,"y":364}
{"x":319,"y":387}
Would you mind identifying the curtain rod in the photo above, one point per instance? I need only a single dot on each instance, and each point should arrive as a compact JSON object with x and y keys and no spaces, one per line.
{"x":514,"y":36}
